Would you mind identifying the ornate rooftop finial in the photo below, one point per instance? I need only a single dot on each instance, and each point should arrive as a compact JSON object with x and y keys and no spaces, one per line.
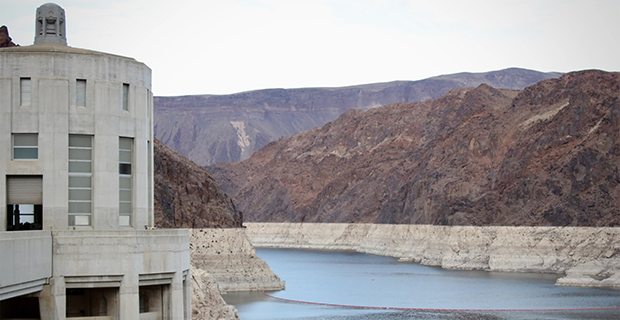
{"x":50,"y":24}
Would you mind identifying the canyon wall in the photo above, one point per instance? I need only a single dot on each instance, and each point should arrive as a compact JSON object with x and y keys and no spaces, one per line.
{"x":587,"y":256}
{"x":548,"y":155}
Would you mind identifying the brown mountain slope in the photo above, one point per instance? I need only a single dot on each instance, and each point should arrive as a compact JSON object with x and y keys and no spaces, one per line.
{"x":220,"y":128}
{"x":547,"y":155}
{"x":186,"y":196}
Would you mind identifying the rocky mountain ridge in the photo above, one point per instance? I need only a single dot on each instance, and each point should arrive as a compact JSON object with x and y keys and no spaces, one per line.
{"x":210,"y":129}
{"x":548,"y":155}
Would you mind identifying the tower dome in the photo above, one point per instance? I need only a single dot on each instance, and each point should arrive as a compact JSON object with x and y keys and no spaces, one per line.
{"x":50,"y":24}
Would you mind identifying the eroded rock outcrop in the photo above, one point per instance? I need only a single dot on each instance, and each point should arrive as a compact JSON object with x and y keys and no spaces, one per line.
{"x":228,"y":256}
{"x":588,"y":256}
{"x":545,"y":156}
{"x":207,"y":302}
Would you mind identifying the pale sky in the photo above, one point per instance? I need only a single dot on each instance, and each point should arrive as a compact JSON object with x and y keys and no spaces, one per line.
{"x":228,"y":46}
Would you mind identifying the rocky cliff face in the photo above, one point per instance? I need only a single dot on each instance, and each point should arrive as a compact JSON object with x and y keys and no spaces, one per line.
{"x":548,"y":155}
{"x":5,"y":40}
{"x":186,"y":196}
{"x":210,"y":129}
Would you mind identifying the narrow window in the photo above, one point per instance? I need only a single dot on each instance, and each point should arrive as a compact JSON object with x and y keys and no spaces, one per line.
{"x":80,"y":93}
{"x":125,"y":96}
{"x":25,"y":146}
{"x":125,"y":156}
{"x":25,"y":90}
{"x":80,"y":180}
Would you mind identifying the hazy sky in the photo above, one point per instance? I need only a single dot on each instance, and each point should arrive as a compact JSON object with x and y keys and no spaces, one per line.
{"x":227,"y":46}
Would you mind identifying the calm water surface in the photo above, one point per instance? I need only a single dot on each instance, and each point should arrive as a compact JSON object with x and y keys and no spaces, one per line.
{"x":360,"y":279}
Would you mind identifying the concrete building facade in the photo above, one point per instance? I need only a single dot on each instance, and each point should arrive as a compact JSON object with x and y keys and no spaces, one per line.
{"x":76,"y":172}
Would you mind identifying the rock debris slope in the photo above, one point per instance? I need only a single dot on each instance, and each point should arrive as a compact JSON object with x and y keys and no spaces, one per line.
{"x":548,"y":155}
{"x":221,"y":128}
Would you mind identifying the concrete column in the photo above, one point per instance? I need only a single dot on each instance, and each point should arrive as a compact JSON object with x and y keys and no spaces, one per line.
{"x":129,"y":300}
{"x":176,"y":297}
{"x":53,"y":300}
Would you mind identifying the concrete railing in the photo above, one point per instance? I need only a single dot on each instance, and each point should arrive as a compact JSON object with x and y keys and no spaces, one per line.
{"x":27,"y":262}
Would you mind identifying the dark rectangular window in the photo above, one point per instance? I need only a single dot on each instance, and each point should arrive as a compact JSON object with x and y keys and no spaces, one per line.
{"x":125,"y":97}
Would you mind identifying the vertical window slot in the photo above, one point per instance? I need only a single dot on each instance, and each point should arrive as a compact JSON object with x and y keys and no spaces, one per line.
{"x":80,"y":93}
{"x":25,"y":90}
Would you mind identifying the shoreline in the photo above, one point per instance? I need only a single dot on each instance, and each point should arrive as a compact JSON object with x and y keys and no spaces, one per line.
{"x":587,"y":256}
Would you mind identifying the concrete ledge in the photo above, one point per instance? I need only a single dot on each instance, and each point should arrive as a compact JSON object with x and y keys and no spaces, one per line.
{"x":8,"y":292}
{"x":116,"y":252}
{"x":108,"y":281}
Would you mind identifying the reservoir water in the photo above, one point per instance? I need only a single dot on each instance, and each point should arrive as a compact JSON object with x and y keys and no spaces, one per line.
{"x":350,"y":278}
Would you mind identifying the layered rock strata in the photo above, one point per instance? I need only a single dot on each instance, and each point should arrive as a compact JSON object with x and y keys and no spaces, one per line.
{"x":228,"y":256}
{"x":588,"y":256}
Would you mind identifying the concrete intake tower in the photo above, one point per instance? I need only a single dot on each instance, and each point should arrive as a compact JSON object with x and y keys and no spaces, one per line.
{"x":76,"y":164}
